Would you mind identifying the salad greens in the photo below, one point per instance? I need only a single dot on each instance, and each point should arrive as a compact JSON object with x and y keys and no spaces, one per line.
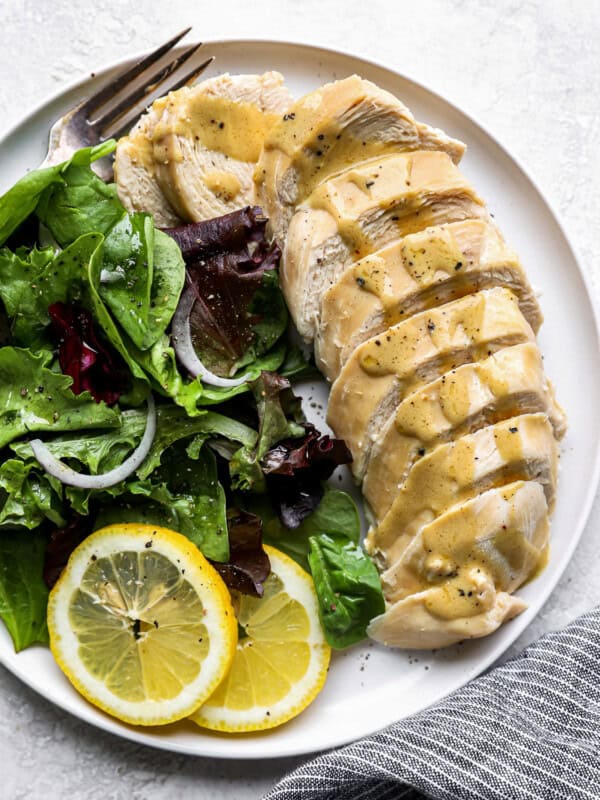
{"x":348,"y":588}
{"x":86,"y":308}
{"x":24,"y":197}
{"x":34,"y":397}
{"x":23,"y":593}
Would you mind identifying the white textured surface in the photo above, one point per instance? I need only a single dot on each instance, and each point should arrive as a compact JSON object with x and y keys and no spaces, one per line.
{"x":525,"y":69}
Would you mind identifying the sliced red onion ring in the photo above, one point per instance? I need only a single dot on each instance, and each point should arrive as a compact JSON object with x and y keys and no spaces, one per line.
{"x":55,"y":467}
{"x":182,"y":343}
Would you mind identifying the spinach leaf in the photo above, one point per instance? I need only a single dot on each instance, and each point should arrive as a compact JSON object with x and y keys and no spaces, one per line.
{"x":33,"y":397}
{"x":80,"y":203}
{"x":348,"y":588}
{"x":336,"y":513}
{"x":143,"y":273}
{"x":143,"y":267}
{"x":23,"y":593}
{"x":21,"y":200}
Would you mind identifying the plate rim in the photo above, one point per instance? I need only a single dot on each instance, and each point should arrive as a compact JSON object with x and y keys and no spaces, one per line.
{"x":518,"y":625}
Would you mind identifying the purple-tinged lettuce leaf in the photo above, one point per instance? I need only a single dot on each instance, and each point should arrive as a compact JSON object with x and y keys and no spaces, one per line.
{"x":279,"y":414}
{"x":295,"y":471}
{"x":230,"y":232}
{"x":248,"y":566}
{"x":93,"y":365}
{"x":239,"y":312}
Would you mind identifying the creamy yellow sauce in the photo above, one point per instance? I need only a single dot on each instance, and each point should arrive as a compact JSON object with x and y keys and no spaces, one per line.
{"x":455,"y":472}
{"x":139,"y":143}
{"x":466,"y":556}
{"x":236,"y":129}
{"x":400,"y":194}
{"x":466,"y":322}
{"x":317,"y":135}
{"x":223,"y":184}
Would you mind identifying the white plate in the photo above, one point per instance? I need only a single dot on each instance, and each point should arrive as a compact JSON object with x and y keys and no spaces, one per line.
{"x":368,"y":686}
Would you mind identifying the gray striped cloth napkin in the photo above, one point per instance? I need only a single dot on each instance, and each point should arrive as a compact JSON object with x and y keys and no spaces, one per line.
{"x":527,"y":730}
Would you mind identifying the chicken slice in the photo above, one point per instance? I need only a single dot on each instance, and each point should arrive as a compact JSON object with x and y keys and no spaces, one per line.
{"x":328,"y":130}
{"x":361,"y":210}
{"x":520,"y":448}
{"x":135,"y":171}
{"x":448,"y":581}
{"x":208,"y":139}
{"x":383,"y":370}
{"x":411,"y":625}
{"x":509,"y":382}
{"x":417,"y":272}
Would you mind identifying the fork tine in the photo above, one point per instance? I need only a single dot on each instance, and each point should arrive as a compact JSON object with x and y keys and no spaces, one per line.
{"x":149,"y":85}
{"x":191,"y":76}
{"x":110,"y":89}
{"x":124,"y":127}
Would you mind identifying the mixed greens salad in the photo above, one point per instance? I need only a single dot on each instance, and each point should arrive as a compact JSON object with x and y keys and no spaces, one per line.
{"x":152,"y":371}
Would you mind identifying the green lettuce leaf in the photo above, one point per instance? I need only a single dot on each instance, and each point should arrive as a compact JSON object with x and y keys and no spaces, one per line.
{"x":103,"y":317}
{"x":348,"y":588}
{"x":336,"y":514}
{"x":31,"y":281}
{"x":28,"y":496}
{"x":178,"y":477}
{"x":23,"y":593}
{"x":144,"y":267}
{"x":21,"y":200}
{"x":100,"y":452}
{"x":184,"y":494}
{"x":278,"y":414}
{"x":35,"y":398}
{"x":160,"y":364}
{"x":190,"y":489}
{"x":80,"y":203}
{"x":144,"y":275}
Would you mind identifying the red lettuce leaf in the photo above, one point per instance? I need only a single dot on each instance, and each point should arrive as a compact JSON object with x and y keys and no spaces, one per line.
{"x":238,"y":313}
{"x":295,"y":470}
{"x":229,"y":232}
{"x":61,"y":544}
{"x":93,"y":365}
{"x":248,"y":566}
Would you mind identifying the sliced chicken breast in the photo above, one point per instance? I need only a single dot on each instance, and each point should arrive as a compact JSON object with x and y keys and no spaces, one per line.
{"x":135,"y":171}
{"x":468,"y":398}
{"x":411,"y":625}
{"x":209,"y":138}
{"x":328,"y":130}
{"x":451,"y":579}
{"x":361,"y":210}
{"x":521,"y":448}
{"x":382,"y":371}
{"x":417,"y":272}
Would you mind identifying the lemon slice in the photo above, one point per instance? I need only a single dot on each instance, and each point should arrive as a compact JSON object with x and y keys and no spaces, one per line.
{"x":141,"y":624}
{"x":281,"y":660}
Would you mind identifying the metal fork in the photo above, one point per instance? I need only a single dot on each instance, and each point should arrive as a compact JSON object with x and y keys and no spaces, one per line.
{"x":89,"y":122}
